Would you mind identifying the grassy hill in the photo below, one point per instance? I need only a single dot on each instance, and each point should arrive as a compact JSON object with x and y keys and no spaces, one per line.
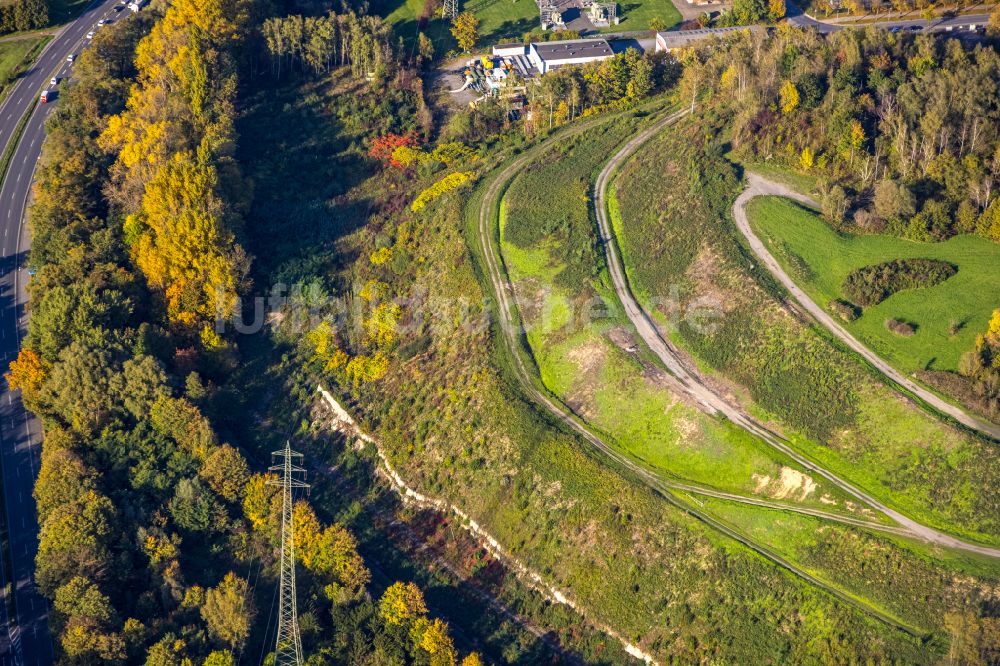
{"x":819,"y":259}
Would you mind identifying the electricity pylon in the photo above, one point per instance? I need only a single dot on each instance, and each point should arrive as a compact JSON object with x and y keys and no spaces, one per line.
{"x":449,"y":9}
{"x":288,"y":649}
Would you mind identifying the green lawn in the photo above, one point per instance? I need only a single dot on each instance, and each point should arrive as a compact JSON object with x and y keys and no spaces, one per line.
{"x":799,"y":238}
{"x":508,"y":20}
{"x":402,"y":15}
{"x":503,"y":20}
{"x":14,"y":53}
{"x":636,"y":15}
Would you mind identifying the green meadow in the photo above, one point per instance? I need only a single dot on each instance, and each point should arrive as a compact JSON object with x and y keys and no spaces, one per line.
{"x":947,"y":316}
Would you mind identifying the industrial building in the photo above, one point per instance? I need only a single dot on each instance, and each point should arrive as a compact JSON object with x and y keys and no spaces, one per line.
{"x":546,"y":56}
{"x":678,"y":39}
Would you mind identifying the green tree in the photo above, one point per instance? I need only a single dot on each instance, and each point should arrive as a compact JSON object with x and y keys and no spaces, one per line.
{"x":194,"y":508}
{"x":62,"y":479}
{"x":75,"y":540}
{"x":425,"y":49}
{"x":893,"y":200}
{"x":79,"y":388}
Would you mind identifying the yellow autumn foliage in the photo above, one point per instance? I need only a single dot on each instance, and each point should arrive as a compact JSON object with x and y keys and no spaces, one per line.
{"x":27,"y":373}
{"x":367,"y":368}
{"x":168,"y":142}
{"x":381,"y":325}
{"x":381,"y":256}
{"x":401,"y":604}
{"x":450,"y":182}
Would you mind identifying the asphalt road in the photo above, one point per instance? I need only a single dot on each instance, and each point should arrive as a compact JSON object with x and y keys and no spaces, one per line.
{"x":757,"y":186}
{"x":24,"y":638}
{"x":700,"y":390}
{"x":798,"y":18}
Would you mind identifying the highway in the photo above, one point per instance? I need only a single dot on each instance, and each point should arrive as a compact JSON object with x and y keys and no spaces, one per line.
{"x":956,"y":25}
{"x":24,"y":638}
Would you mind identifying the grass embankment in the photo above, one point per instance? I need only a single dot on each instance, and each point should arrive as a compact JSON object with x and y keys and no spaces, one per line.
{"x":947,"y":316}
{"x":581,"y":344}
{"x":15,"y":56}
{"x":321,"y":185}
{"x":547,"y":245}
{"x":674,"y":227}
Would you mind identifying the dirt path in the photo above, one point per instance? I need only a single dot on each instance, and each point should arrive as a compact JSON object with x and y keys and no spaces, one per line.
{"x":696,"y":385}
{"x":668,"y":490}
{"x":759,"y":186}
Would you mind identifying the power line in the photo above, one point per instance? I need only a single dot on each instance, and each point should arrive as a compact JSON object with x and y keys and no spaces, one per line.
{"x":288,"y":647}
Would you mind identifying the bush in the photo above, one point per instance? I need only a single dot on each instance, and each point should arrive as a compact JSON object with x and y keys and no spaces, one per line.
{"x":873,"y":284}
{"x":902,"y":328}
{"x":843,"y":309}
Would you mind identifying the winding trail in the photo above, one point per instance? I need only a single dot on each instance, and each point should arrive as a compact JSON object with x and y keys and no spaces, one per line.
{"x":695,"y":385}
{"x":668,"y":489}
{"x":758,"y":185}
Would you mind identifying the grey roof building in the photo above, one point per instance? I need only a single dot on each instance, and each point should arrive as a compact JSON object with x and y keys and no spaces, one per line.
{"x":676,"y":39}
{"x":546,"y":56}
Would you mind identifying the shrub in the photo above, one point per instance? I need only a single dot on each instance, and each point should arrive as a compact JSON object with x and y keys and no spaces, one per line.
{"x":447,"y":184}
{"x":873,"y":284}
{"x":902,"y":328}
{"x":843,"y":309}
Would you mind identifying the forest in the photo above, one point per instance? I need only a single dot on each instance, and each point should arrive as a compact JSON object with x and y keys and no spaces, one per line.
{"x":900,"y":130}
{"x":149,"y":523}
{"x":23,"y":15}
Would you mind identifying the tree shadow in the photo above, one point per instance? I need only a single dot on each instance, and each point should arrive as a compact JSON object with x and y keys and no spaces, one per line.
{"x":301,"y":169}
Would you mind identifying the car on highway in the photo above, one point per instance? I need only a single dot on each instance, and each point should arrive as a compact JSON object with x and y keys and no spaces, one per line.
{"x":103,"y":22}
{"x":70,"y":58}
{"x":54,"y":81}
{"x":90,"y":35}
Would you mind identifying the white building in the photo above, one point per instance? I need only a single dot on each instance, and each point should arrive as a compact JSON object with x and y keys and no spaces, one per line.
{"x":509,"y":50}
{"x":546,"y":56}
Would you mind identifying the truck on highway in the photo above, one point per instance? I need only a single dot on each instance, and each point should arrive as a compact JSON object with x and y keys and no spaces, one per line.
{"x":46,"y":96}
{"x":136,"y":5}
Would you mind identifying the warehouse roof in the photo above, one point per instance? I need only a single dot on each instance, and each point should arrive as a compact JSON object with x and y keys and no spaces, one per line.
{"x":577,"y":48}
{"x":677,"y":38}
